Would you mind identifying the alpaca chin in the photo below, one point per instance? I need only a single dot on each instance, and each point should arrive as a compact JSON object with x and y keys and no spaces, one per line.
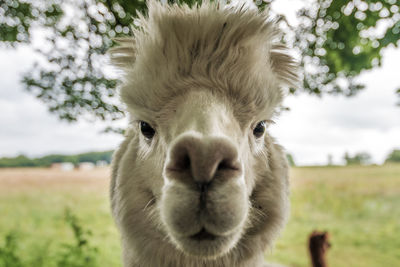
{"x":204,"y":245}
{"x":206,"y":230}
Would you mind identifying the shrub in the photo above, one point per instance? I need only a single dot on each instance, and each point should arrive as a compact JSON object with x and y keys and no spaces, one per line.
{"x":79,"y":253}
{"x":8,"y":253}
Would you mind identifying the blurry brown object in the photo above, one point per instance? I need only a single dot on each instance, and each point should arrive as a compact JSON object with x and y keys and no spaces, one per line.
{"x":318,"y":244}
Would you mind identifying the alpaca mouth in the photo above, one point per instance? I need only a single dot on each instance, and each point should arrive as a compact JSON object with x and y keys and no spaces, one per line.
{"x":203,"y":235}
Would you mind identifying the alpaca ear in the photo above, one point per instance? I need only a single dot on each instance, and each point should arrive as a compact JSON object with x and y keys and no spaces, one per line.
{"x":284,"y":66}
{"x":123,"y":55}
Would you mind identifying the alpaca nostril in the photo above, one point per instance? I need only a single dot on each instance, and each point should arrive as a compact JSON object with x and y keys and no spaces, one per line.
{"x":222,"y":166}
{"x":227,"y":165}
{"x":183,"y":163}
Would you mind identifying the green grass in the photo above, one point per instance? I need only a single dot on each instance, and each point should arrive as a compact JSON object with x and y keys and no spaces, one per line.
{"x":359,"y":206}
{"x":36,"y":214}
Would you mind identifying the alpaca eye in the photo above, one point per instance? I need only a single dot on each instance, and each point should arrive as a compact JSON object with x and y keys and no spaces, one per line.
{"x":259,"y":130}
{"x":146,"y":130}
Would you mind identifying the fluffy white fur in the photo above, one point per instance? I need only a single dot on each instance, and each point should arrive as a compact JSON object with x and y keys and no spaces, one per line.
{"x":202,"y":78}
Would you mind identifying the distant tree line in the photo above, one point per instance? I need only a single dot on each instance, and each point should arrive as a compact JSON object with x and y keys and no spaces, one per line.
{"x":46,"y":161}
{"x":394,"y":156}
{"x":363,"y":158}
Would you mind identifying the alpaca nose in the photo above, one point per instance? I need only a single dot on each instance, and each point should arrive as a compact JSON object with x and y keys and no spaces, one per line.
{"x":203,"y":159}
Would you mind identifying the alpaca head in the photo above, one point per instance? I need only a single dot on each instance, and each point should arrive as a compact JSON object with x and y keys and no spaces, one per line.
{"x":198,"y":173}
{"x":318,"y":244}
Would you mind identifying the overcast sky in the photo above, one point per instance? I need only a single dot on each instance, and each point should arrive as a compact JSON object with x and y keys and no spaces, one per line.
{"x":369,"y":122}
{"x":312,"y":129}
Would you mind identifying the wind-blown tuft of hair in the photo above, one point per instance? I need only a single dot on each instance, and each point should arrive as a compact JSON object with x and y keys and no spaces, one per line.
{"x":232,"y":51}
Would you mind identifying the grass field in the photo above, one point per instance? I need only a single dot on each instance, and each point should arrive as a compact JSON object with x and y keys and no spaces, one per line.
{"x":359,"y":206}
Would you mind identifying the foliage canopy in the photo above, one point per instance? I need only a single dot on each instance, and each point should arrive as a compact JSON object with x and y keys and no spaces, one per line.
{"x":336,"y":40}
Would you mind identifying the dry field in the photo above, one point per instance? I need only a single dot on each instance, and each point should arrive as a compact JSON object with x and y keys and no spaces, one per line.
{"x":27,"y":179}
{"x":359,"y":206}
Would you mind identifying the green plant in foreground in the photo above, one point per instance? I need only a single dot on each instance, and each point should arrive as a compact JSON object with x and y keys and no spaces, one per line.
{"x":8,"y":253}
{"x":80,"y":253}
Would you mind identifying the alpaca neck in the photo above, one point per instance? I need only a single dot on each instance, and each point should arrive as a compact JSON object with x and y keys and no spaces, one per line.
{"x":318,"y":259}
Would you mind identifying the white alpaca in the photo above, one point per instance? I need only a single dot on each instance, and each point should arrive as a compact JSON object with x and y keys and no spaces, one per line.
{"x":198,"y":181}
